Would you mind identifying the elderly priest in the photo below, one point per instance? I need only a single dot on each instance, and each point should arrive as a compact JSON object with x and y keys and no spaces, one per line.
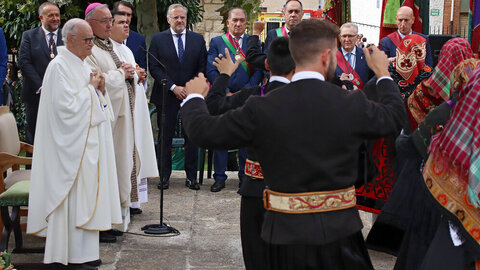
{"x":73,"y":190}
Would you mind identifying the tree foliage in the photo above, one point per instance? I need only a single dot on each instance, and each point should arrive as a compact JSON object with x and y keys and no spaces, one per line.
{"x":252,"y":7}
{"x":194,"y":15}
{"x":17,"y":16}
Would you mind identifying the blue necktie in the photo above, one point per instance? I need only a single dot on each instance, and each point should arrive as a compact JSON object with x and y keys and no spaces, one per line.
{"x":181,"y":50}
{"x":349,"y":59}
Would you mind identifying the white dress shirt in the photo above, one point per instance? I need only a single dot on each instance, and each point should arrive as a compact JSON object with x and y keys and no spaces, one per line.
{"x":175,"y":42}
{"x":47,"y":37}
{"x":354,"y":56}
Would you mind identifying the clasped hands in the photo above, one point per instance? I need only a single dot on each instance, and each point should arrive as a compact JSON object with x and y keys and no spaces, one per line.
{"x":97,"y":80}
{"x":130,"y":71}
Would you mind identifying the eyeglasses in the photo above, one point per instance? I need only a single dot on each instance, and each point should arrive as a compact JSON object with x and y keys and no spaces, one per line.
{"x":348,"y":36}
{"x":178,"y":17}
{"x":87,"y":40}
{"x":105,"y":21}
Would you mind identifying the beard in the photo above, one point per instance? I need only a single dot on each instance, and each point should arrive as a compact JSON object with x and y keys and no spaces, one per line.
{"x":331,"y":68}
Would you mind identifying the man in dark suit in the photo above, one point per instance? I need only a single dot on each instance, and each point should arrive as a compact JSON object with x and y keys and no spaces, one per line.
{"x":405,"y":19}
{"x":37,"y":48}
{"x":306,"y":136}
{"x":135,"y":41}
{"x":184,"y":55}
{"x":351,"y":62}
{"x":293,"y":13}
{"x":236,"y":41}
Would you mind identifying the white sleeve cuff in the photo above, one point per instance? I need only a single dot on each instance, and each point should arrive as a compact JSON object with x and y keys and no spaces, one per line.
{"x":190,"y":97}
{"x":173,"y":87}
{"x":384,"y":77}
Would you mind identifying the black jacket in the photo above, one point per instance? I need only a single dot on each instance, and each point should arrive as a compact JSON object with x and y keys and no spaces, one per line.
{"x":219,"y":103}
{"x":307,"y":135}
{"x":33,"y":59}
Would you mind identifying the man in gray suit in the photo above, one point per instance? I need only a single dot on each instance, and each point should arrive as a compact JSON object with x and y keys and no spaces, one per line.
{"x":37,"y":48}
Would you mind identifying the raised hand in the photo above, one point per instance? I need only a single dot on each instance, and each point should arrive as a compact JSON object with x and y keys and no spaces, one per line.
{"x":377,"y":61}
{"x":225,"y":64}
{"x":258,"y":28}
{"x":197,"y":85}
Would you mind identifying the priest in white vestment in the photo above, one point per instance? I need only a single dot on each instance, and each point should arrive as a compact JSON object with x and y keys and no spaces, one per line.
{"x":141,"y":117}
{"x":119,"y":85}
{"x":73,"y":190}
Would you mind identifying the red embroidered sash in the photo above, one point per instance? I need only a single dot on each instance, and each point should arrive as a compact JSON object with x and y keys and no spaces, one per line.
{"x":347,"y":68}
{"x":396,"y":38}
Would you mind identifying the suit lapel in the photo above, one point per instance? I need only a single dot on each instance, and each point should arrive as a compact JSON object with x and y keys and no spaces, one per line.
{"x":244,"y":42}
{"x":59,"y":38}
{"x":360,"y":58}
{"x":187,"y":48}
{"x":171,"y":45}
{"x":40,"y":37}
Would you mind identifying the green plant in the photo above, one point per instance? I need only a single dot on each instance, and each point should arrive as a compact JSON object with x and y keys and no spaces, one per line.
{"x":5,"y":259}
{"x":17,"y":17}
{"x":18,"y":110}
{"x":252,"y":7}
{"x":194,"y":15}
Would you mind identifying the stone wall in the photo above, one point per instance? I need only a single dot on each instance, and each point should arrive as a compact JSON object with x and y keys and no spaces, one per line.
{"x":211,"y":26}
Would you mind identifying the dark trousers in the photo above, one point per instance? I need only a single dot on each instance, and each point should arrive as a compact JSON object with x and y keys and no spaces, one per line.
{"x":220,"y":161}
{"x":31,"y":111}
{"x":191,"y":152}
{"x":253,"y":247}
{"x":349,"y":253}
{"x":443,"y":254}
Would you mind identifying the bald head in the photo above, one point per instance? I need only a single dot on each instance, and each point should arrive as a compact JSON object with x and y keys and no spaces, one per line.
{"x":405,"y":19}
{"x":78,"y":37}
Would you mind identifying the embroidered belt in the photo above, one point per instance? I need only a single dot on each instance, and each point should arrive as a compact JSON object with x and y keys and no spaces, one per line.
{"x":309,"y":202}
{"x":253,"y":169}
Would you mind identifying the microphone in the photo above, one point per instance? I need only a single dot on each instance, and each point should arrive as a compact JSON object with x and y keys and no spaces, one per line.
{"x":158,"y":61}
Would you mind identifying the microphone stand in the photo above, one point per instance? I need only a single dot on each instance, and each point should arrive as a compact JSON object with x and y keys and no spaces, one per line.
{"x":161,"y":228}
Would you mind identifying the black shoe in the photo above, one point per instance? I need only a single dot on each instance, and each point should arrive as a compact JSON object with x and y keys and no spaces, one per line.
{"x":94,"y":263}
{"x":192,"y":184}
{"x":165,"y":184}
{"x":107,"y":238}
{"x":115,"y":232}
{"x":135,"y":211}
{"x":217,"y":186}
{"x":80,"y":266}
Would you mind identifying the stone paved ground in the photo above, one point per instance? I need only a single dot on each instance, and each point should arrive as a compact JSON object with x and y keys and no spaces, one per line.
{"x":209,"y":232}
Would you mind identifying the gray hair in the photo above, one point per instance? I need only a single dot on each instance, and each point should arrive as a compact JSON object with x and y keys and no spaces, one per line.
{"x":92,"y":12}
{"x":43,"y":5}
{"x":70,"y":28}
{"x":232,"y":9}
{"x":172,"y":6}
{"x":349,"y":24}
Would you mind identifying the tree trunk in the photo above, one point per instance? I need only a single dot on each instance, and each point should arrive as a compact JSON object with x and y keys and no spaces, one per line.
{"x":147,"y":21}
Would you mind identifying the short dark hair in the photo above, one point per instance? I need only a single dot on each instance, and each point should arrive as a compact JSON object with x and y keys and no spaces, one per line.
{"x":123,"y":3}
{"x":309,"y":37}
{"x":279,"y":58}
{"x":232,"y":9}
{"x":43,"y":5}
{"x":117,"y":12}
{"x":288,"y":1}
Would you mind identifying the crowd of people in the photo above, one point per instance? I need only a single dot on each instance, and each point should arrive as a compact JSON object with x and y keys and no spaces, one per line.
{"x":334,"y":129}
